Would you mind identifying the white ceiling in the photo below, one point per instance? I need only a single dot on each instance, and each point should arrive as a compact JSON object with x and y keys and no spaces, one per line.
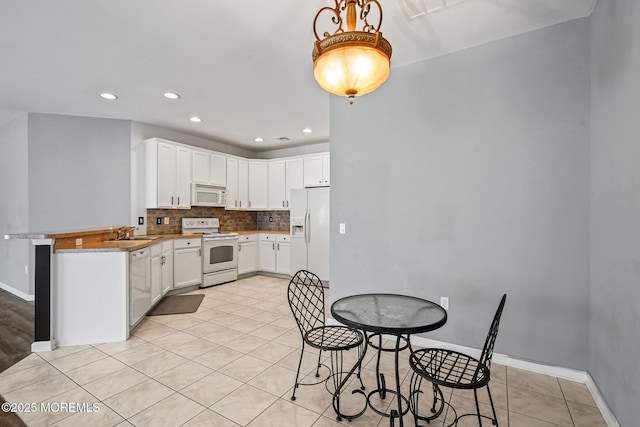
{"x":244,"y":67}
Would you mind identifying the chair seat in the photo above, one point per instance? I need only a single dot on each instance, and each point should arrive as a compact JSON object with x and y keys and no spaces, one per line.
{"x":333,"y":338}
{"x":449,"y":368}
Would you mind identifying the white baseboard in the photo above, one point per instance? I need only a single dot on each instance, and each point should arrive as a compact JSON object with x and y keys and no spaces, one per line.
{"x":17,"y":292}
{"x":40,"y":346}
{"x":503,"y":359}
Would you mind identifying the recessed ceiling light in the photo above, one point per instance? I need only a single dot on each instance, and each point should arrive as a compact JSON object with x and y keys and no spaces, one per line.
{"x":258,"y":139}
{"x":109,"y":96}
{"x":307,"y":130}
{"x":195,"y":119}
{"x":171,"y":95}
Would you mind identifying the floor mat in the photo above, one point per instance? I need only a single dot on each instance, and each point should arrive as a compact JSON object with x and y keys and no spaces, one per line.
{"x":177,"y":304}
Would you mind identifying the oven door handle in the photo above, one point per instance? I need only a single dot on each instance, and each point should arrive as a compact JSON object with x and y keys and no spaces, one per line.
{"x":219,"y":239}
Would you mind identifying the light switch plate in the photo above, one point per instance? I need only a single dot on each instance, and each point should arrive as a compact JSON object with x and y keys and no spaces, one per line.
{"x":343,"y":228}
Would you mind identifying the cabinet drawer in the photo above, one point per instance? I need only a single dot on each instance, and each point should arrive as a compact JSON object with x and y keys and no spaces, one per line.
{"x":282,"y":237}
{"x":268,"y":237}
{"x":247,"y":238}
{"x":186,"y":243}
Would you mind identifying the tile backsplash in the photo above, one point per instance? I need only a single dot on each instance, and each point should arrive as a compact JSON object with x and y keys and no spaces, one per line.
{"x":273,"y":220}
{"x":229,"y":220}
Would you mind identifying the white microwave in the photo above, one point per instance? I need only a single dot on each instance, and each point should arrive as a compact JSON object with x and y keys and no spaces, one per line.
{"x":208,"y":195}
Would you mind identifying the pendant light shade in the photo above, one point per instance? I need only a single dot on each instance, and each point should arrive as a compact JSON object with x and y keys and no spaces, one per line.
{"x":348,"y":62}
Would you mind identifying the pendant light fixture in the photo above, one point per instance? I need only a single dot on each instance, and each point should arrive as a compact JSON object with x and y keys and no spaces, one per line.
{"x":351,"y":62}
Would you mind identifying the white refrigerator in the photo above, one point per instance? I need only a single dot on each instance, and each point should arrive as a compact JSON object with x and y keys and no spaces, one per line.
{"x":309,"y":213}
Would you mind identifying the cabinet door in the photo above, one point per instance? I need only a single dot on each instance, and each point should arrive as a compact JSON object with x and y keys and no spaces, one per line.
{"x":166,"y":175}
{"x":276,"y":180}
{"x":283,"y":258}
{"x":232,"y":183}
{"x":326,"y":170}
{"x":243,"y":184}
{"x":267,"y":256}
{"x":313,"y":171}
{"x":183,"y":178}
{"x":258,"y":185}
{"x":167,"y":272}
{"x":247,"y":257}
{"x":156,"y":279}
{"x":201,"y":167}
{"x":187,"y":267}
{"x":294,"y":178}
{"x":218,"y":170}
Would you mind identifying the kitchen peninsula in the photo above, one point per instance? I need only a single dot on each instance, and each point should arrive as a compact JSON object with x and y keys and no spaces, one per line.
{"x":82,"y":292}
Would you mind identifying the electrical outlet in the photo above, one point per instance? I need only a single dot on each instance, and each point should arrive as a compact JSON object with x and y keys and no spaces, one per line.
{"x":166,"y":220}
{"x":140,"y":220}
{"x":444,"y":302}
{"x":78,"y":242}
{"x":158,"y":220}
{"x":343,"y":228}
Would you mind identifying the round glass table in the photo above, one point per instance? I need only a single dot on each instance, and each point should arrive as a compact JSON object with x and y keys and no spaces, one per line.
{"x":390,"y":314}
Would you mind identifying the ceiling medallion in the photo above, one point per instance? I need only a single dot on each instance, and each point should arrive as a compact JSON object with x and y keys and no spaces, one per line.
{"x":350,"y":62}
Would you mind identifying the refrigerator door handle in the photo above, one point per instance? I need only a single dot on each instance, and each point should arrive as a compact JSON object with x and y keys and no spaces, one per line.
{"x":306,"y":226}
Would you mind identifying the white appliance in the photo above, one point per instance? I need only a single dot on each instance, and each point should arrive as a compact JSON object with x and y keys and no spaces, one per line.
{"x":219,"y":250}
{"x":310,"y":231}
{"x":208,"y":195}
{"x":139,"y":285}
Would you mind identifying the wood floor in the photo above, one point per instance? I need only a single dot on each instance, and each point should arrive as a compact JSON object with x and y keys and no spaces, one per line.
{"x":16,"y":336}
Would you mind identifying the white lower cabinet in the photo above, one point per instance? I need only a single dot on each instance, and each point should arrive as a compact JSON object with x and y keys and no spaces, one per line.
{"x":283,"y":255}
{"x":274,"y":253}
{"x":187,"y":262}
{"x":167,"y":266}
{"x":161,"y":270}
{"x":247,"y":253}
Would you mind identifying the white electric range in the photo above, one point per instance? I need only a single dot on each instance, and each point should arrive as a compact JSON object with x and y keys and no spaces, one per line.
{"x":219,"y":250}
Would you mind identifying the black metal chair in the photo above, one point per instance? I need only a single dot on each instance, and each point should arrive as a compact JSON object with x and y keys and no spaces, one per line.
{"x":455,"y":370}
{"x":306,"y":299}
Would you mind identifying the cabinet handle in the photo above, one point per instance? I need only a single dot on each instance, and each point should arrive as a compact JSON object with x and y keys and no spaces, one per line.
{"x":287,"y":203}
{"x":240,"y":203}
{"x":249,"y":203}
{"x":178,"y":199}
{"x":278,"y":246}
{"x":283,"y":203}
{"x":199,"y":252}
{"x":239,"y":248}
{"x":273,"y":246}
{"x":171,"y":199}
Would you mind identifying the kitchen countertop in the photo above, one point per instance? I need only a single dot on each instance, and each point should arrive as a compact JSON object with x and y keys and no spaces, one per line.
{"x":106,"y":245}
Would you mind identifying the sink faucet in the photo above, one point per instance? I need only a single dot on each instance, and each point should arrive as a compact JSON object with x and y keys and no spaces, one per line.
{"x":123,"y":232}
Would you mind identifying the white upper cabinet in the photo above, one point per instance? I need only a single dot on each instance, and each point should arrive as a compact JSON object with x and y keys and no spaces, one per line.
{"x":168,"y":174}
{"x":218,"y":170}
{"x":209,"y":168}
{"x":258,"y":184}
{"x":243,"y":184}
{"x":277,"y":184}
{"x":294,"y":178}
{"x":316,"y":171}
{"x":232,"y":183}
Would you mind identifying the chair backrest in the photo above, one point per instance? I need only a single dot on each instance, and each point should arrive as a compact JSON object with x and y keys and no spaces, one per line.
{"x":306,"y":299}
{"x":487,"y":350}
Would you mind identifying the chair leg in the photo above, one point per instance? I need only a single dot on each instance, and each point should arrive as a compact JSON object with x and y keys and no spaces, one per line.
{"x":319,"y":364}
{"x":295,"y":384}
{"x":475,"y":395}
{"x":361,"y":349}
{"x":495,"y":417}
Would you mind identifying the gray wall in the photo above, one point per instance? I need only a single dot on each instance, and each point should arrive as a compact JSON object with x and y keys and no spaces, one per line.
{"x":614,"y":344}
{"x":467,"y":176}
{"x":79,"y":172}
{"x":14,"y":209}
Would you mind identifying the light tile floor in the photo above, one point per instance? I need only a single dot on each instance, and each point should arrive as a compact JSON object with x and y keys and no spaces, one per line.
{"x":233,"y":363}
